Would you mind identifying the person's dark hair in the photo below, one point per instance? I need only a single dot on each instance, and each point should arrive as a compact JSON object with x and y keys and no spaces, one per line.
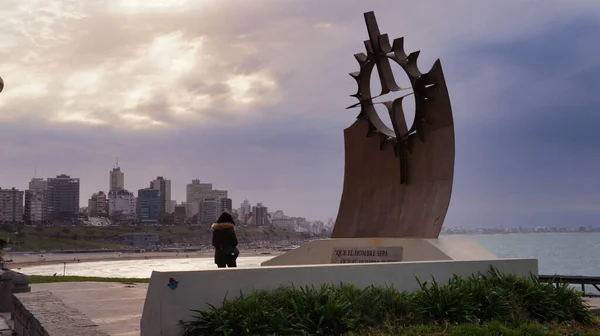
{"x":225,"y":218}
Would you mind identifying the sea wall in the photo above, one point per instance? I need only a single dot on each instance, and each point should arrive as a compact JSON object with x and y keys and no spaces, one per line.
{"x":172,"y":295}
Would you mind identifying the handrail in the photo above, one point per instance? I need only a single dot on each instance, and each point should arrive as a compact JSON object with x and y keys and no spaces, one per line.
{"x":572,"y":280}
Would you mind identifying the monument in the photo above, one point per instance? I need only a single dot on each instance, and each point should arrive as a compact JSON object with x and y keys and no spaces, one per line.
{"x":397,"y":181}
{"x":396,"y":193}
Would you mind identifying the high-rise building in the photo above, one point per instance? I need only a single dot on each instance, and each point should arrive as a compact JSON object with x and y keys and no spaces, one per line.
{"x":197,"y":193}
{"x":287,"y":223}
{"x":318,"y":228}
{"x":302,"y":223}
{"x":37,"y":202}
{"x":64,"y":196}
{"x":121,"y":203}
{"x":116,"y":179}
{"x":210,"y":210}
{"x":98,"y":205}
{"x":195,"y":190}
{"x":179,"y":215}
{"x":245,"y":212}
{"x":226,"y":205}
{"x":192,"y":209}
{"x":260,"y":215}
{"x":150,"y":205}
{"x":171,"y":206}
{"x":11,"y":205}
{"x":164,"y":186}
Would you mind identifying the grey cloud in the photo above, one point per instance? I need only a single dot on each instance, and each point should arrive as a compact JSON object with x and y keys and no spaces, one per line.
{"x":288,"y":152}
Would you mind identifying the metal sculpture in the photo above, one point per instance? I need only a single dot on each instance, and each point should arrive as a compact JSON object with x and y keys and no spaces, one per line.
{"x":1,"y":84}
{"x":397,"y":182}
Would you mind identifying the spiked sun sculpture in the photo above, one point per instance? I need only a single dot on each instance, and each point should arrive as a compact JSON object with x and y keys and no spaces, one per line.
{"x":397,"y":182}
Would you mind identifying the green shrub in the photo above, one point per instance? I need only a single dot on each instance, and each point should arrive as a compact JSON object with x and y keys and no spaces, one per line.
{"x":342,"y":309}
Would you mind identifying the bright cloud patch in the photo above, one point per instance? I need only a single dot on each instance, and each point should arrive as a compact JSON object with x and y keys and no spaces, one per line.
{"x":119,"y":65}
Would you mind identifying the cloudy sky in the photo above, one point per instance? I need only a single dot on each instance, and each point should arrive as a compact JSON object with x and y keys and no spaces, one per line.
{"x":250,"y":95}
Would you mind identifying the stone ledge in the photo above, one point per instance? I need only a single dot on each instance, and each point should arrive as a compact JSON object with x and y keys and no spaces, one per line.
{"x":42,"y":314}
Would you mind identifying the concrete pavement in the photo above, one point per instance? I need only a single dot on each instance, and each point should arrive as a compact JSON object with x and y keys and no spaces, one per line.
{"x":115,"y":307}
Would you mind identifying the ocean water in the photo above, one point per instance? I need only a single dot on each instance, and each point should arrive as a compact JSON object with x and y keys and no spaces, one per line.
{"x":558,"y":253}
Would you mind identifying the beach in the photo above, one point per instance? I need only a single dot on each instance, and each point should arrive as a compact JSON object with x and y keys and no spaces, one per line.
{"x":18,"y":260}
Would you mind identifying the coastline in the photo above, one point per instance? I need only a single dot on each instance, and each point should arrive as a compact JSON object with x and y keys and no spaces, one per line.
{"x":38,"y":259}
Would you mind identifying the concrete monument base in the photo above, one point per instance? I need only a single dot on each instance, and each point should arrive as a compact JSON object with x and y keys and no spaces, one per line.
{"x":172,"y":295}
{"x":369,"y":250}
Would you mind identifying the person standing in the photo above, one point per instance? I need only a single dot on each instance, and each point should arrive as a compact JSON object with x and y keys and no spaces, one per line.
{"x":225,"y":241}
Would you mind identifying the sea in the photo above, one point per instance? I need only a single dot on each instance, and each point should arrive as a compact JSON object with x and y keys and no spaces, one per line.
{"x":558,"y":253}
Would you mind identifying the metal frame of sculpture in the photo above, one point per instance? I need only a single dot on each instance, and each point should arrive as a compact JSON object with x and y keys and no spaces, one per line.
{"x":397,"y":182}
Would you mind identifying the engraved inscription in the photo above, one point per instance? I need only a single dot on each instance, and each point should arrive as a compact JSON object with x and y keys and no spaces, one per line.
{"x":350,"y":254}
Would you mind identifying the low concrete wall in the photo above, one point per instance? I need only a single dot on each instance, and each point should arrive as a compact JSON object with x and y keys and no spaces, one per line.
{"x":42,"y":314}
{"x":319,"y":252}
{"x":171,"y":295}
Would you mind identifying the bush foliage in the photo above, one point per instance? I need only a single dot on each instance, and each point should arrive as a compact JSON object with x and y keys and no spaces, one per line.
{"x":343,"y":309}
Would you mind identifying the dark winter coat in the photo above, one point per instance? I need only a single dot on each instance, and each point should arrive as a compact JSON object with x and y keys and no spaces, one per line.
{"x":223,"y":238}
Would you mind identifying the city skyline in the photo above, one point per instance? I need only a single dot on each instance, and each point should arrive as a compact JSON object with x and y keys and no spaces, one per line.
{"x":120,"y":201}
{"x":251,"y":96}
{"x":84,"y":198}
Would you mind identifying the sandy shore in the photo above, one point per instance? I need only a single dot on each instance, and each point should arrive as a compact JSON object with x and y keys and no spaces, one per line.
{"x":23,"y":260}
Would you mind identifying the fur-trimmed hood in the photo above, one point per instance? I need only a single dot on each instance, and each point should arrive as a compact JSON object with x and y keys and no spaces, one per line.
{"x":221,"y":226}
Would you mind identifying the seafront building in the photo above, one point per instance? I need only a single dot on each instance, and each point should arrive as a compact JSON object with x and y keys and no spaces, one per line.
{"x":164,"y":187}
{"x":245,"y":212}
{"x":11,"y":205}
{"x":171,"y":206}
{"x":116,"y":179}
{"x":226,"y":205}
{"x":121,"y":203}
{"x":210,"y":208}
{"x":193,"y":196}
{"x":98,"y":205}
{"x":64,"y":197}
{"x":260,"y":215}
{"x":179,"y":215}
{"x":284,"y":223}
{"x":206,"y":202}
{"x":150,"y":206}
{"x":37,"y":201}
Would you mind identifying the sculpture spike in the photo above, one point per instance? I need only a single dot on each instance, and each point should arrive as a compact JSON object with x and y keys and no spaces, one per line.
{"x":353,"y":106}
{"x":384,"y":44}
{"x":398,"y":49}
{"x":411,"y":65}
{"x":361,"y":58}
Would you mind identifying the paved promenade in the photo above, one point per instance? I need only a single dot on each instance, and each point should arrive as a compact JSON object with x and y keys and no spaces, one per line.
{"x":115,"y":307}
